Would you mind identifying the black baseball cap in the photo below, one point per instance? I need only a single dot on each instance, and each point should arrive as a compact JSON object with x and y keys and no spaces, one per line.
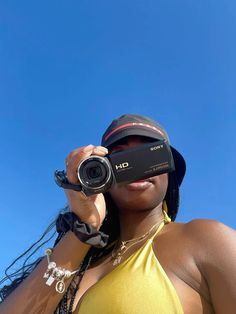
{"x":134,"y":124}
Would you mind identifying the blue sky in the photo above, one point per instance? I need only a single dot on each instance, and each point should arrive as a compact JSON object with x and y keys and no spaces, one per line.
{"x":69,"y":67}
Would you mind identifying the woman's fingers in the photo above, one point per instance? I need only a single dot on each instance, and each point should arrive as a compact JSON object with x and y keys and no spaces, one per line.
{"x":77,"y":155}
{"x":100,"y":150}
{"x":90,"y":209}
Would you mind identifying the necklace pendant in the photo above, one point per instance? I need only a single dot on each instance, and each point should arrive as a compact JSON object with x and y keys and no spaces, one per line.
{"x":123,"y":246}
{"x":118,"y":253}
{"x":117,"y":259}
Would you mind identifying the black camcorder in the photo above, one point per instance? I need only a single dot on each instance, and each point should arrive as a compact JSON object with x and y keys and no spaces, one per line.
{"x":97,"y":174}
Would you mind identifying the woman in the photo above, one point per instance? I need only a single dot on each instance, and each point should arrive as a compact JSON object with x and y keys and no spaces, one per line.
{"x":149,"y":265}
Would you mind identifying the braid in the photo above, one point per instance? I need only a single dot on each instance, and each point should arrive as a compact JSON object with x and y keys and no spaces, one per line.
{"x":172,"y":196}
{"x":110,"y":227}
{"x":22,"y":273}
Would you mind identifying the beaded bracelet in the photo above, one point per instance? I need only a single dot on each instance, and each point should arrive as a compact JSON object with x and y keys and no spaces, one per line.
{"x":58,"y":274}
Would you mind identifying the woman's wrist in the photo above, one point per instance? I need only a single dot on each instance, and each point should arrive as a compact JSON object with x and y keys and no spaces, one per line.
{"x":85,"y":232}
{"x":85,"y":210}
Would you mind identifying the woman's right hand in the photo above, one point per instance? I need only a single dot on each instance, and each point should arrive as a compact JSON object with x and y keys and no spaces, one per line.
{"x":90,"y":209}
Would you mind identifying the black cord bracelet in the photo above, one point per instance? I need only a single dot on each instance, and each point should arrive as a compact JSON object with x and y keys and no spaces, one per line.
{"x":84,"y":232}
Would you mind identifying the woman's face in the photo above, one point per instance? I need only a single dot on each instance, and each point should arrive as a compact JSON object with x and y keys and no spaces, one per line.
{"x":141,"y":194}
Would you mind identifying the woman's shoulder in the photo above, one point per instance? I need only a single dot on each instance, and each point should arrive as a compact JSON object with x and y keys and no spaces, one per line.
{"x":201,"y":229}
{"x":198,"y":227}
{"x":203,"y":239}
{"x":195,"y":236}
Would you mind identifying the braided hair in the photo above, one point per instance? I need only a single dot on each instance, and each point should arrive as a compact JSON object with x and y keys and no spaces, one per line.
{"x":110,"y":227}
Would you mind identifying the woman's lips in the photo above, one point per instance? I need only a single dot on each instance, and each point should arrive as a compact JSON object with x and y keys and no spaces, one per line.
{"x":139,"y":185}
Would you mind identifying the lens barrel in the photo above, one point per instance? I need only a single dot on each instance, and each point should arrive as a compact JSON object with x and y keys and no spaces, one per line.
{"x":94,"y":174}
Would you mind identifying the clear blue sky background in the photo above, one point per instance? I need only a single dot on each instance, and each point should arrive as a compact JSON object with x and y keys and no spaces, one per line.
{"x":68,"y":67}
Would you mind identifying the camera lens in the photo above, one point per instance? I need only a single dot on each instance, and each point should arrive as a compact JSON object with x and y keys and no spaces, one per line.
{"x":94,"y":172}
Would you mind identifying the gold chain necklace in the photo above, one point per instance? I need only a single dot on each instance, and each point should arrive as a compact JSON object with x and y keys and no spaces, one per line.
{"x":117,"y":253}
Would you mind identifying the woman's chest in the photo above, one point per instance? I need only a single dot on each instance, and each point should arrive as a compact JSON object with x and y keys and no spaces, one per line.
{"x":135,"y":285}
{"x":171,"y":275}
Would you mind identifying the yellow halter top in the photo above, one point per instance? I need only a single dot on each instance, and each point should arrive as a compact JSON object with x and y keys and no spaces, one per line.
{"x":138,"y":285}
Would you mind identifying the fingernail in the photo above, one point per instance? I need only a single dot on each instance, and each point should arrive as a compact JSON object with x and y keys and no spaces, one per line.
{"x":103,"y":149}
{"x":88,"y":148}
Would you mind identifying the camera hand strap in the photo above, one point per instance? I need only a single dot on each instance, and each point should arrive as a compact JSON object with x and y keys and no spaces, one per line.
{"x":62,"y":181}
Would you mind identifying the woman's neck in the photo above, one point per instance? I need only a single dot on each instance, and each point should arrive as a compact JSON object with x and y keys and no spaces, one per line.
{"x":136,"y":223}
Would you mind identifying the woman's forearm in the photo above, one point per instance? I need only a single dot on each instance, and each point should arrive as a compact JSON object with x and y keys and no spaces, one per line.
{"x":33,"y":296}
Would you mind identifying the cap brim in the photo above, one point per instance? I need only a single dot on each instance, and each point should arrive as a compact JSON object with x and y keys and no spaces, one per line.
{"x":180,"y":165}
{"x":128,"y":132}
